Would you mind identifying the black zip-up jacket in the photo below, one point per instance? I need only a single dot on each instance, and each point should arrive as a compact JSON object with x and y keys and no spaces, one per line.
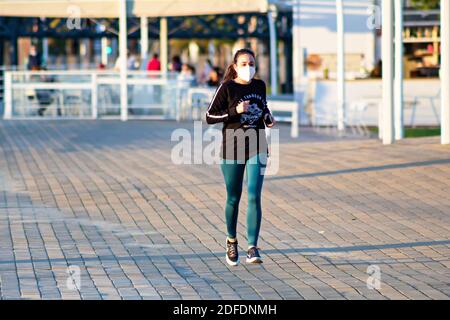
{"x":223,"y":109}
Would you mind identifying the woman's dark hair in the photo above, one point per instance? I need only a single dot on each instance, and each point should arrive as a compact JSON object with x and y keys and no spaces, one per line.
{"x":230,"y":73}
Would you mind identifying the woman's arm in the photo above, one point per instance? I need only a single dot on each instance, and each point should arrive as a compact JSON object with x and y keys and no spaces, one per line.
{"x":266,"y":110}
{"x":218,"y":110}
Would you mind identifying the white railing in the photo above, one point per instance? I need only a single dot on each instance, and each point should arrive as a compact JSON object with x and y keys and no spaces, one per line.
{"x":94,"y":94}
{"x":89,"y":94}
{"x":421,"y":102}
{"x":3,"y":69}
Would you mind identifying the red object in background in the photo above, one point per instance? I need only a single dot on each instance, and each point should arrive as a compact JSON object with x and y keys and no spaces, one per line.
{"x":154,"y":65}
{"x":430,"y":48}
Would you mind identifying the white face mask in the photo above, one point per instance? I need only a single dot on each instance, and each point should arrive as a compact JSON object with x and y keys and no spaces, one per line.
{"x":246,"y":73}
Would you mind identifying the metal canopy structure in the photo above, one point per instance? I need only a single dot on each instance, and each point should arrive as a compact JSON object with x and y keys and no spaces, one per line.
{"x":122,"y":9}
{"x":138,"y":8}
{"x":224,"y":26}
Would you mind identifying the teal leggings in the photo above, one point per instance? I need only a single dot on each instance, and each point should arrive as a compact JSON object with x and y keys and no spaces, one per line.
{"x":233,"y":173}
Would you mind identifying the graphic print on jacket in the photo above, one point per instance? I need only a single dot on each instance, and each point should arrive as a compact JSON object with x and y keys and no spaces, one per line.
{"x":250,"y":118}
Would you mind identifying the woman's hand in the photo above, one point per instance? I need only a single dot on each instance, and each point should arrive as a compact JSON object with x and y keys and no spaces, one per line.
{"x":243,"y":106}
{"x":269,"y":120}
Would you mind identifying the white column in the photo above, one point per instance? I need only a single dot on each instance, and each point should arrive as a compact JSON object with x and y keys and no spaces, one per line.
{"x":211,"y":50}
{"x":340,"y":65}
{"x":163,"y":42}
{"x":295,"y":120}
{"x":399,"y":134}
{"x":388,"y":71}
{"x":123,"y":60}
{"x":94,"y":96}
{"x":45,"y":51}
{"x":380,"y":120}
{"x":144,"y":39}
{"x":445,"y":72}
{"x":297,"y":52}
{"x":104,"y":46}
{"x":272,"y":16}
{"x":8,"y":96}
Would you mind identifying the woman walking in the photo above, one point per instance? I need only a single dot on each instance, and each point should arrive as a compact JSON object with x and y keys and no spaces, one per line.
{"x":240,"y":104}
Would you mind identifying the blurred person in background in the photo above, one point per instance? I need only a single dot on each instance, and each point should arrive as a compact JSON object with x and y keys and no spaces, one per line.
{"x":44,"y":96}
{"x":132,"y":62}
{"x":176,"y":64}
{"x":194,"y":77}
{"x":34,"y":58}
{"x":188,"y":74}
{"x":215,"y":76}
{"x":205,"y":71}
{"x":154,"y":64}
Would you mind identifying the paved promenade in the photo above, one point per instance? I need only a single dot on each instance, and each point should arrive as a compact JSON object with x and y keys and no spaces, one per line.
{"x":97,"y":210}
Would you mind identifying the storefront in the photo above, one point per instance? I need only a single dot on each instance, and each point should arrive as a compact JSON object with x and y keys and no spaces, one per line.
{"x":421,"y":40}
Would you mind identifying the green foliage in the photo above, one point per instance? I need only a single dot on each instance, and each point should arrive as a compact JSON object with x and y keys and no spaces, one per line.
{"x":416,"y":132}
{"x":425,"y":4}
{"x":421,"y":132}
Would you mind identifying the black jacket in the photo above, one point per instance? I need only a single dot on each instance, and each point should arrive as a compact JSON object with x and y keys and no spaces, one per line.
{"x":223,"y":109}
